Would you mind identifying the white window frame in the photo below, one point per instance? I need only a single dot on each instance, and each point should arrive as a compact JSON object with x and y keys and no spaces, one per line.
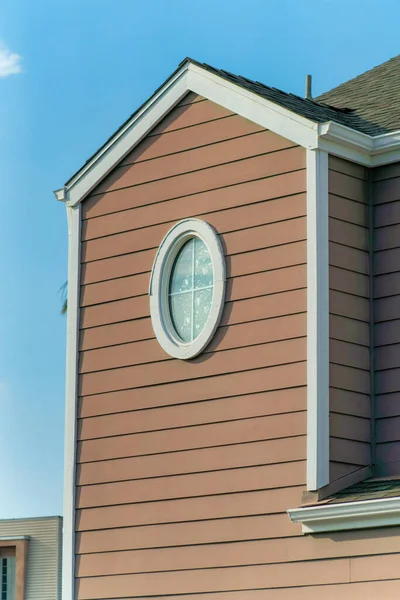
{"x":161,"y":320}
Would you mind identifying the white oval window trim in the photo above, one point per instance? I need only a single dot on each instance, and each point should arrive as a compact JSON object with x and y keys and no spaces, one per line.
{"x":164,"y":261}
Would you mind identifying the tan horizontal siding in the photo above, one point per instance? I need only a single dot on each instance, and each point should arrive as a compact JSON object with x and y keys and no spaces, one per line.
{"x":386,"y":197}
{"x":350,"y":427}
{"x":348,"y":354}
{"x":347,"y":305}
{"x":252,"y":577}
{"x":183,"y":415}
{"x":253,"y":237}
{"x":200,"y":508}
{"x":263,"y":259}
{"x":186,"y":469}
{"x":194,"y":461}
{"x":202,"y":134}
{"x":230,"y":361}
{"x":198,"y":436}
{"x":222,"y":386}
{"x":245,"y":194}
{"x":289,"y":162}
{"x":233,"y":336}
{"x":348,"y":234}
{"x":346,"y":329}
{"x":368,"y":591}
{"x":296,"y":547}
{"x":191,"y":161}
{"x":345,"y":402}
{"x":226,"y":555}
{"x":341,"y":449}
{"x":349,"y":309}
{"x":186,"y":534}
{"x":186,"y":486}
{"x":239,"y":288}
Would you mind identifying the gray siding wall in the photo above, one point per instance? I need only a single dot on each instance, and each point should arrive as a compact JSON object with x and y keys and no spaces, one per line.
{"x":386,"y":197}
{"x":349,"y":236}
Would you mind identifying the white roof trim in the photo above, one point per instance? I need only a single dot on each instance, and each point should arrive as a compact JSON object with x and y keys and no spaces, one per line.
{"x":347,"y":515}
{"x":368,"y":150}
{"x":190,"y":78}
{"x":331,"y":137}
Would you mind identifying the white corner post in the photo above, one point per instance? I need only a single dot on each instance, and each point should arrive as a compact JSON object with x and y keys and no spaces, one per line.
{"x":317,"y":320}
{"x":71,"y":392}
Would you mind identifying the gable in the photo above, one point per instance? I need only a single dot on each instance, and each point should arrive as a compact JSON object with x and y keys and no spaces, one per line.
{"x":198,"y":147}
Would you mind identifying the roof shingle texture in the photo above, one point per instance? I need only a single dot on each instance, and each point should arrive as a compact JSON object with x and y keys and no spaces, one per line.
{"x":366,"y":490}
{"x":369,"y":103}
{"x":319,"y":111}
{"x":374,"y":97}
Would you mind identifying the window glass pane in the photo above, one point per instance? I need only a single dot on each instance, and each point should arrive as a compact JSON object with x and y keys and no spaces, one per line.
{"x":181,"y":274}
{"x":181,"y":314}
{"x":202,"y":305}
{"x":203,"y":271}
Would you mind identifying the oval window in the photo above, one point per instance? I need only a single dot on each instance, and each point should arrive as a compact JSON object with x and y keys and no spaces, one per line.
{"x":187,"y":288}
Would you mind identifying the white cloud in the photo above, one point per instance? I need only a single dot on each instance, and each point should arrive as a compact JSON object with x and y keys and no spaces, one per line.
{"x":10,"y":62}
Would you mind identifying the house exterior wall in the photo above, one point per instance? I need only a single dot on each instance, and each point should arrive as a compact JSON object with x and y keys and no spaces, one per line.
{"x":349,"y":327}
{"x":186,"y":469}
{"x":43,"y":578}
{"x":386,"y":198}
{"x":221,"y":438}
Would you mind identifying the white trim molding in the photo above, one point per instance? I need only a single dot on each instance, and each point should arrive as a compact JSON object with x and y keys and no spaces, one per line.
{"x":189,"y":78}
{"x":161,"y":318}
{"x":370,"y":151}
{"x":317,"y":320}
{"x":347,"y":515}
{"x":71,"y":399}
{"x":331,"y":137}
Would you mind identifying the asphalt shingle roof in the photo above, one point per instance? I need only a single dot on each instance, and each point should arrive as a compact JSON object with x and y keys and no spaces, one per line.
{"x":315,"y":110}
{"x":374,"y":97}
{"x":370,"y":103}
{"x":366,"y":490}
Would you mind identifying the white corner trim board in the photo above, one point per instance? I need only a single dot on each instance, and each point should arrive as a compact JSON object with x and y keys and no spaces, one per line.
{"x":71,"y":397}
{"x":347,"y":515}
{"x":317,"y":320}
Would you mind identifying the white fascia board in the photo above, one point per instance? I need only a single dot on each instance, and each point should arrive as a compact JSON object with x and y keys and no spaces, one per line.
{"x":348,"y":515}
{"x":330,"y":137}
{"x":60,"y":194}
{"x":317,"y":320}
{"x":253,"y":107}
{"x":127,"y":138}
{"x":191,"y":78}
{"x":71,"y":400}
{"x":370,"y":151}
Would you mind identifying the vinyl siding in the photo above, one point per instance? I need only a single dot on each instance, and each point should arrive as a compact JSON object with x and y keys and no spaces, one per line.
{"x":186,"y":469}
{"x":386,"y":197}
{"x":44,"y":554}
{"x":175,"y":457}
{"x":349,"y":318}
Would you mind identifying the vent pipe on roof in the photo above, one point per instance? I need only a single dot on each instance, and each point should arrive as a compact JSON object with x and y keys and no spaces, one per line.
{"x":308,"y":87}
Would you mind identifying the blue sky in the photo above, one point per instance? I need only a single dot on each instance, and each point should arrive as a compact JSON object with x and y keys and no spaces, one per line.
{"x":85,"y":66}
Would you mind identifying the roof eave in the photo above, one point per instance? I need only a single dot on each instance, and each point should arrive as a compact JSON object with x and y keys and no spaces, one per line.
{"x":190,"y":77}
{"x":371,"y":151}
{"x":347,"y":515}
